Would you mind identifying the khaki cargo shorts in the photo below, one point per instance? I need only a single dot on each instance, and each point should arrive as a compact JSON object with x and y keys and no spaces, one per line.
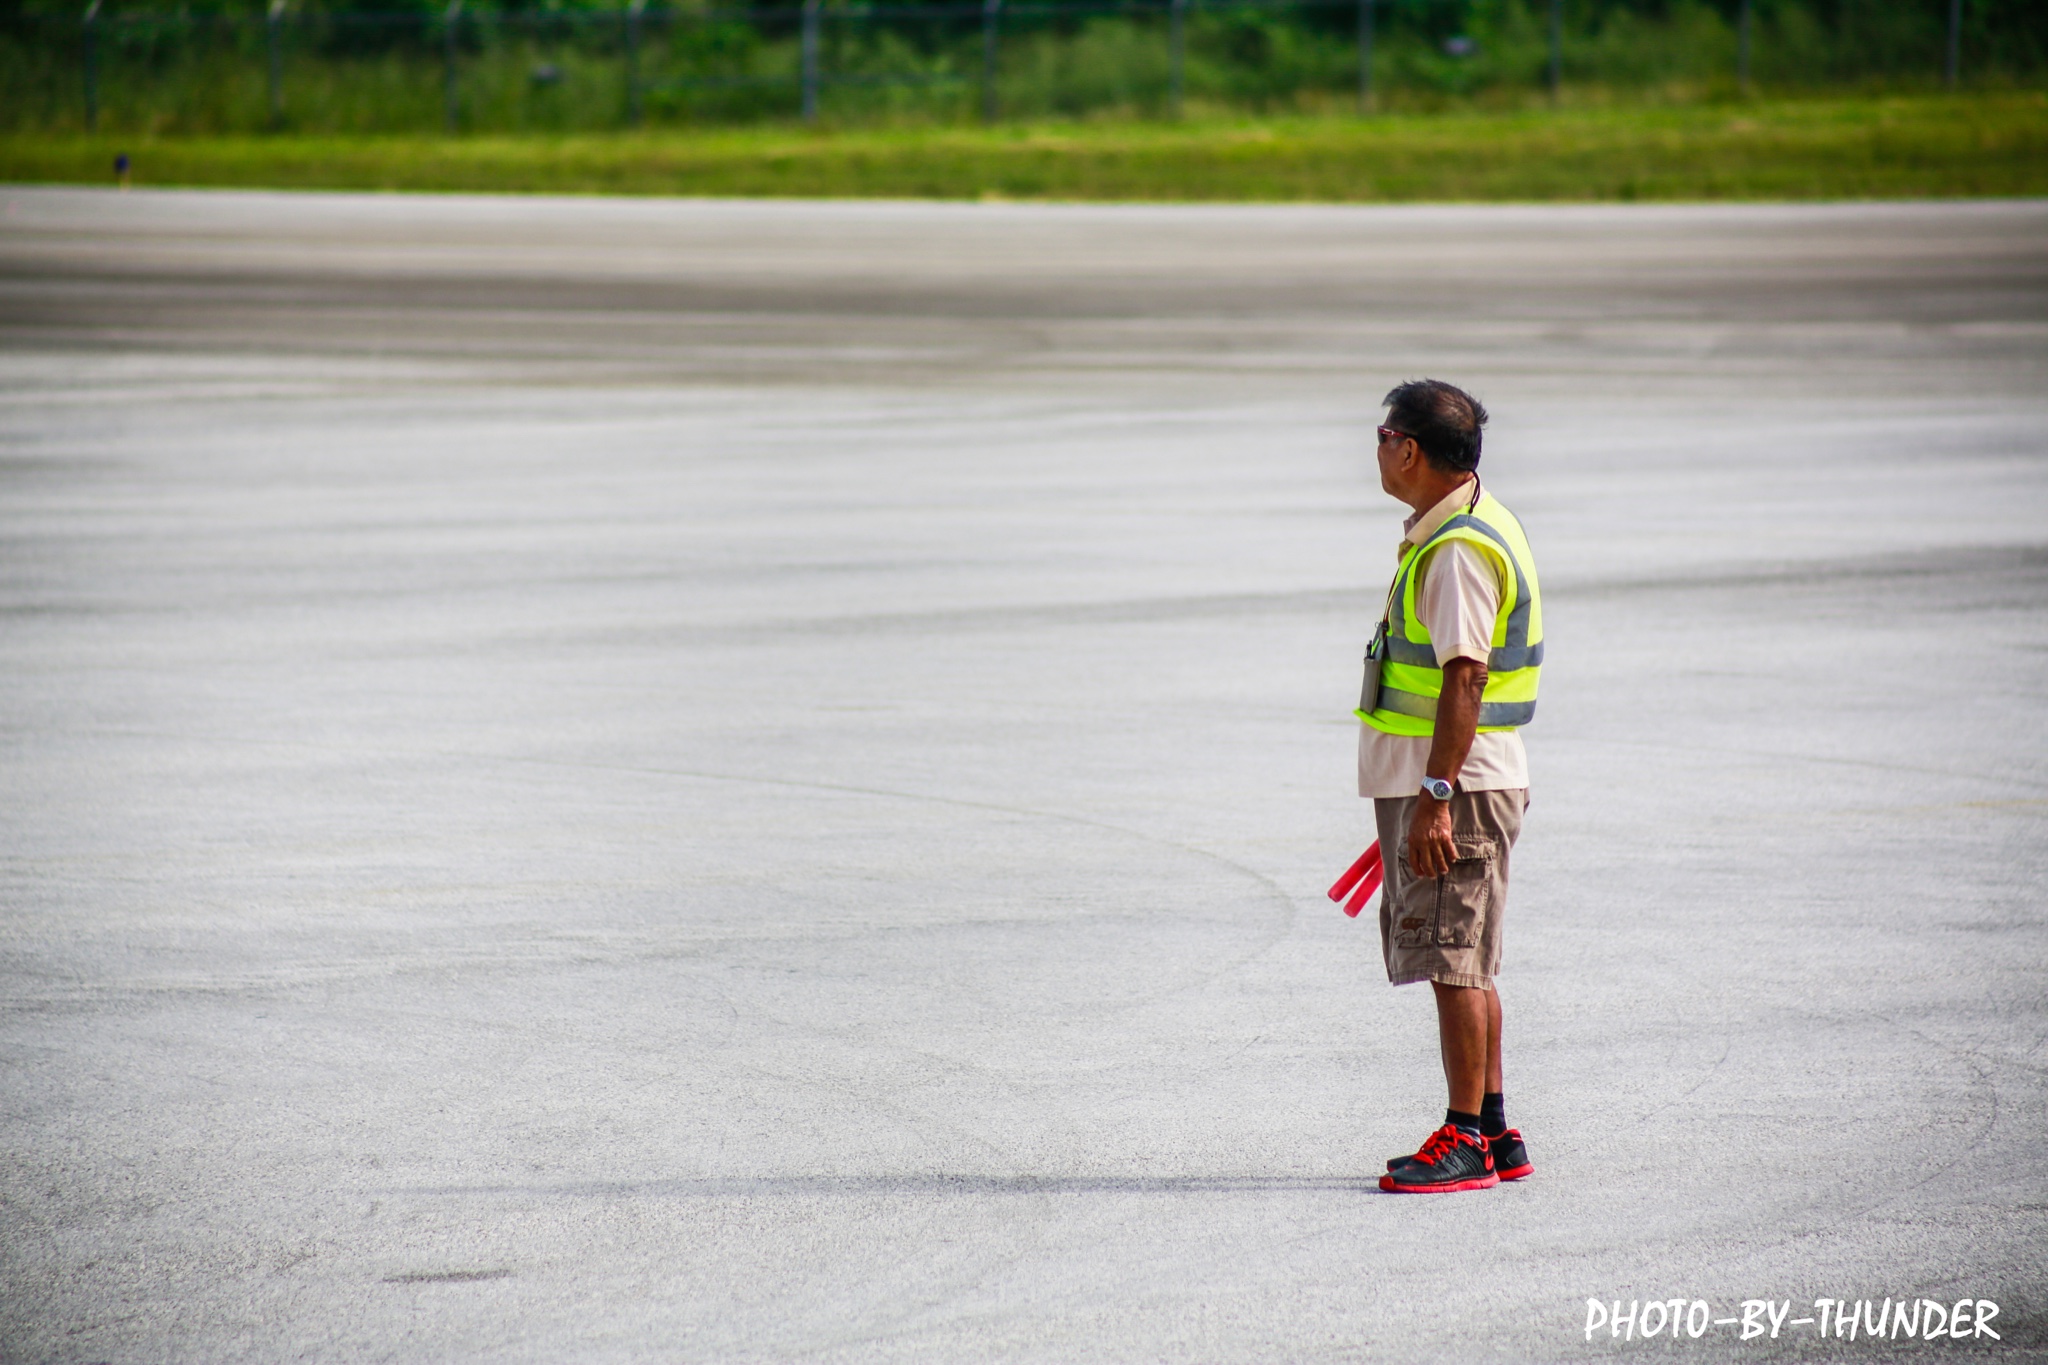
{"x":1447,"y":928}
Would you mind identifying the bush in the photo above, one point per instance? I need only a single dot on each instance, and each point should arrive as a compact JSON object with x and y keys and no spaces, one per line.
{"x":565,"y":65}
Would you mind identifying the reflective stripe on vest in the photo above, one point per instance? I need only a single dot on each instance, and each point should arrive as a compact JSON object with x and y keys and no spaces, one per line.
{"x":1411,"y":681}
{"x":1497,"y":715}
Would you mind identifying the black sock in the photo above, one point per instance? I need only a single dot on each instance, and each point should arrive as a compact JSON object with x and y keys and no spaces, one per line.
{"x":1493,"y":1114}
{"x":1469,"y":1122}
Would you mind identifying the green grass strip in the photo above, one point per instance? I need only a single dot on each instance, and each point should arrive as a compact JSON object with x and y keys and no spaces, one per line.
{"x":1901,"y":147}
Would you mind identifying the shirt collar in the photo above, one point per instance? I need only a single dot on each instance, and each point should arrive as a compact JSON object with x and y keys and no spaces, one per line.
{"x":1423,"y":525}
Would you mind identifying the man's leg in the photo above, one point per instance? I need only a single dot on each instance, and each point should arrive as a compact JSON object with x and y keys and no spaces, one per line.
{"x":1493,"y":1078}
{"x":1456,"y":1157}
{"x":1468,"y":1028}
{"x":1510,"y":1156}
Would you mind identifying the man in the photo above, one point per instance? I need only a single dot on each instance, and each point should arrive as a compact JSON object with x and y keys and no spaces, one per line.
{"x":1456,"y":654}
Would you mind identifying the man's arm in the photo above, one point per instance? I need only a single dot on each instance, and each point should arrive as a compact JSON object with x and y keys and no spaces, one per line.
{"x":1430,"y":850}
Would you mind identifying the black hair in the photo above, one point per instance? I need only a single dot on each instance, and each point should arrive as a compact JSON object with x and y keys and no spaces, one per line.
{"x":1445,"y":421}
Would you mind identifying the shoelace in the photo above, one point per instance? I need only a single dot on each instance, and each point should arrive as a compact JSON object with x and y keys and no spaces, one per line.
{"x":1441,"y":1143}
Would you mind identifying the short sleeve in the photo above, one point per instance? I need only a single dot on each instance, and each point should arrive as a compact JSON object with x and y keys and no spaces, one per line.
{"x":1459,"y":598}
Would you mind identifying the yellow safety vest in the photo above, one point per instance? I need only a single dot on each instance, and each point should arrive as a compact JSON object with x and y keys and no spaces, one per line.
{"x":1410,"y":681}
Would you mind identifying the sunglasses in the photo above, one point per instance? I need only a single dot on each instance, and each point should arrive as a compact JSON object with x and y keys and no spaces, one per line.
{"x":1389,"y":434}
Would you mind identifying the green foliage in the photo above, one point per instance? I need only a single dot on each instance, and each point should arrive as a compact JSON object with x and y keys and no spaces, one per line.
{"x":205,"y":66}
{"x":1898,"y":146}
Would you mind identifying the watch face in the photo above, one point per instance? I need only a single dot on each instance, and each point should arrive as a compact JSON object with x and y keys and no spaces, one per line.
{"x":1438,"y":788}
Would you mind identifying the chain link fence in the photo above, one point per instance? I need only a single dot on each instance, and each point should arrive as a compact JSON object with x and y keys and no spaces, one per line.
{"x":465,"y":67}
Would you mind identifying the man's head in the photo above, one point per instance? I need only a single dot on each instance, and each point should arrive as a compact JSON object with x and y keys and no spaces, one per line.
{"x":1430,"y":442}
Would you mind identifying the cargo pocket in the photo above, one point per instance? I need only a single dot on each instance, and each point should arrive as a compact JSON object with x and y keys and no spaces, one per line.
{"x":1464,"y":897}
{"x":1416,"y":909}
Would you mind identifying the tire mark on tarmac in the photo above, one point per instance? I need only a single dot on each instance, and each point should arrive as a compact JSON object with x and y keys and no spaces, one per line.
{"x":1274,"y":891}
{"x":930,"y":1183}
{"x":1756,"y":1246}
{"x":1833,"y":760}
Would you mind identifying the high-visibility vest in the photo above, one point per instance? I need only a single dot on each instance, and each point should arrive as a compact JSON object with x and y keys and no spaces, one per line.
{"x":1411,"y":682}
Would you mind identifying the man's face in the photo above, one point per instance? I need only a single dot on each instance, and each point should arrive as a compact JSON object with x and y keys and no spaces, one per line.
{"x":1394,"y":456}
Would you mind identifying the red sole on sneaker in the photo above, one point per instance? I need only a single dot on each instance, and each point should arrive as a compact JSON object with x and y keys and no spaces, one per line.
{"x":1525,"y":1169}
{"x":1485,"y":1182}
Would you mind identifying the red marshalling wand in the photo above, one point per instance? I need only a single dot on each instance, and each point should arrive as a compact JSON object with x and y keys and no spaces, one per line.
{"x":1365,"y":875}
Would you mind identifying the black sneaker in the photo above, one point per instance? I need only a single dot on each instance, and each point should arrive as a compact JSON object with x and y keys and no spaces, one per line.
{"x":1510,"y":1157}
{"x":1451,"y":1160}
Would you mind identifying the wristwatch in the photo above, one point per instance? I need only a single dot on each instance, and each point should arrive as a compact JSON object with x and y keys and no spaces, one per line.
{"x":1437,"y":787}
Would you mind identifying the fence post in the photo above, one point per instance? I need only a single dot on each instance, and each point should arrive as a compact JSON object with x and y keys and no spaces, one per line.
{"x":1952,"y":61}
{"x":91,"y":55}
{"x":451,"y":93}
{"x":1556,"y":49}
{"x":273,"y":39}
{"x":633,"y":13}
{"x":991,"y":18}
{"x":1177,"y":11}
{"x":1365,"y":56}
{"x":810,"y":54}
{"x":1745,"y":23}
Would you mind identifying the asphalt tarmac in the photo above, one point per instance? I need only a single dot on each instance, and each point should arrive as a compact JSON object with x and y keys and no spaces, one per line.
{"x":704,"y":781}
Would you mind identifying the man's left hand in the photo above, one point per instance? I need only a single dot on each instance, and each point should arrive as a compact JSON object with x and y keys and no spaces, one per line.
{"x":1430,"y":850}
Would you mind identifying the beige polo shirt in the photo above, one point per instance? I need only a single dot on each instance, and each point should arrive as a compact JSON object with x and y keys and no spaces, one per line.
{"x":1457,"y":594}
